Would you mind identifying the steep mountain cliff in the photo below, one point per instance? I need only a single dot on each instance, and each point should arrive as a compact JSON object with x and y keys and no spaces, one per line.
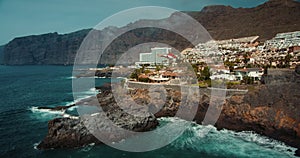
{"x":50,"y":48}
{"x":222,"y":22}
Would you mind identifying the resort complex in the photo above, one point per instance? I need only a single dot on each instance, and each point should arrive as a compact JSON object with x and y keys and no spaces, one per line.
{"x":243,"y":60}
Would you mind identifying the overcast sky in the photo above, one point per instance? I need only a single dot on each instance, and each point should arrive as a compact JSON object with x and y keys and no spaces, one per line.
{"x":27,"y":17}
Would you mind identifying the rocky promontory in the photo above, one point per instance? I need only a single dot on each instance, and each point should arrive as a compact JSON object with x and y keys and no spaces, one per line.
{"x":77,"y":132}
{"x":67,"y":133}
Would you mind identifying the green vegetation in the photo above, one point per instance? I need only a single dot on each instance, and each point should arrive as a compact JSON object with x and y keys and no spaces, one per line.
{"x":202,"y":71}
{"x":135,"y":74}
{"x":147,"y":71}
{"x":245,"y":58}
{"x":158,"y":67}
{"x":205,"y":74}
{"x":248,"y":80}
{"x":144,"y":79}
{"x":204,"y":84}
{"x":231,"y":84}
{"x":230,"y":65}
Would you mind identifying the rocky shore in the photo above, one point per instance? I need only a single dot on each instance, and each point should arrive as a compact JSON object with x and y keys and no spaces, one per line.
{"x":270,"y":109}
{"x":78,"y":132}
{"x":104,"y":73}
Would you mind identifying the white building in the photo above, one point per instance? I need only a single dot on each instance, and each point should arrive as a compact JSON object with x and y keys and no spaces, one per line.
{"x":228,"y":77}
{"x":222,"y":74}
{"x":255,"y":73}
{"x":284,"y":40}
{"x":156,"y":56}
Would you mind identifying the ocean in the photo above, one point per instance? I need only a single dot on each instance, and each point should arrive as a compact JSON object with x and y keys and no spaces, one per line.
{"x":23,"y":126}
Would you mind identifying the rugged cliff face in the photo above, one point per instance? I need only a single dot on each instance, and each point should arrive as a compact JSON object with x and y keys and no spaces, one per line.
{"x":222,"y":22}
{"x":270,"y":110}
{"x":51,"y":48}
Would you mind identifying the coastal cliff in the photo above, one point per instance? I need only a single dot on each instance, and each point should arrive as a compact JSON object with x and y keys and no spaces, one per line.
{"x":46,"y":49}
{"x":270,"y":109}
{"x":222,"y":22}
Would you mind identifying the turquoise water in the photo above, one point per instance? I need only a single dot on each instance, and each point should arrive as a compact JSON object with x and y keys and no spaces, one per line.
{"x":22,"y":126}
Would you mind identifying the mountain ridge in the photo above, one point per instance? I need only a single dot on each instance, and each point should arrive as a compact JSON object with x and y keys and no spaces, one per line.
{"x":222,"y":22}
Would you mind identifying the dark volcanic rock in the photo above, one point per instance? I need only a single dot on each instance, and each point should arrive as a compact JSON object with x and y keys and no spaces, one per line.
{"x":271,"y":109}
{"x":103,"y":73}
{"x":222,"y":22}
{"x":297,"y":70}
{"x":57,"y":108}
{"x":67,"y":133}
{"x":297,"y":152}
{"x":72,"y":133}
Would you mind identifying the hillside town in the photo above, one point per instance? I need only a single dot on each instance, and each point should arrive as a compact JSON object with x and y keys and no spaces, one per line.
{"x":242,"y":60}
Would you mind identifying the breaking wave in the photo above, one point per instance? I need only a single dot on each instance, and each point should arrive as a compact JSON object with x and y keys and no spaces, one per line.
{"x":209,"y":140}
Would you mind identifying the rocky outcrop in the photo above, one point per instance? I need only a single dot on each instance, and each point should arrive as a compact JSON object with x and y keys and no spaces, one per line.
{"x":57,"y":108}
{"x":270,"y":110}
{"x":222,"y":22}
{"x":78,"y":132}
{"x":281,"y":76}
{"x":74,"y":133}
{"x":105,"y":73}
{"x":67,"y":133}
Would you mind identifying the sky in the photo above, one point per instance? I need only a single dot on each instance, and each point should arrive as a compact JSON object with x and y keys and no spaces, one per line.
{"x":32,"y":17}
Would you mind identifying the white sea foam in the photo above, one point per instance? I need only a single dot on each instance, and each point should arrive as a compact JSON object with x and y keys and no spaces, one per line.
{"x":90,"y":92}
{"x":36,"y":110}
{"x":35,"y":145}
{"x":70,"y":116}
{"x":209,"y":139}
{"x":88,"y":147}
{"x":70,"y":78}
{"x":45,"y":113}
{"x":95,"y":114}
{"x":62,"y":113}
{"x":253,"y":137}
